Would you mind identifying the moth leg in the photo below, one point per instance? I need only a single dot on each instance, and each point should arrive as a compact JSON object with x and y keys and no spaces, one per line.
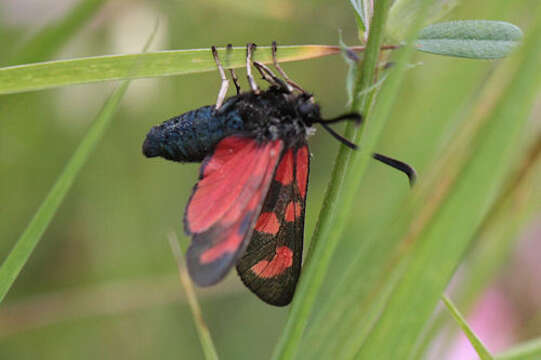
{"x":282,"y":72}
{"x":249,"y":50}
{"x":269,"y":76}
{"x":232,"y":72}
{"x":225,"y":81}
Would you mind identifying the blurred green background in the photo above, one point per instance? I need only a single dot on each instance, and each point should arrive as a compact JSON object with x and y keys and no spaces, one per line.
{"x":102,"y":282}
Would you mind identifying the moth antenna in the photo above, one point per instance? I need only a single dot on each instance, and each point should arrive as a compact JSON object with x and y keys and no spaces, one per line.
{"x":358,"y":118}
{"x":339,"y":137}
{"x":398,"y":165}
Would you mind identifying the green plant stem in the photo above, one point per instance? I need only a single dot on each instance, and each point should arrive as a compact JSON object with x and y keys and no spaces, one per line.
{"x":202,"y":330}
{"x":336,"y":205}
{"x":470,"y":334}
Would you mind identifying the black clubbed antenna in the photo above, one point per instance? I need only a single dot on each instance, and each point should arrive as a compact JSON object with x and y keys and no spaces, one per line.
{"x":398,"y":165}
{"x":349,"y":116}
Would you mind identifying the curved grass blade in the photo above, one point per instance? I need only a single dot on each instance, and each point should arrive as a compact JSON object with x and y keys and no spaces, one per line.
{"x":51,"y":74}
{"x":477,"y":344}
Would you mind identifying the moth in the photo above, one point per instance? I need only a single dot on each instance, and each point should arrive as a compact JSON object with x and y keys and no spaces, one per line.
{"x":247,"y":208}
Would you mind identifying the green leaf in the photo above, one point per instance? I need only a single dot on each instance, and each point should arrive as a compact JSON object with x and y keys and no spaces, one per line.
{"x":437,"y":249}
{"x":46,"y":75}
{"x":475,"y":39}
{"x":470,"y":334}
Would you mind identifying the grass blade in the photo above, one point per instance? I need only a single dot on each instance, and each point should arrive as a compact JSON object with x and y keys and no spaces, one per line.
{"x":51,"y":74}
{"x":202,"y":330}
{"x":441,"y":244}
{"x":326,"y":234}
{"x":530,"y":350}
{"x":345,"y":179}
{"x":472,"y":337}
{"x":19,"y":255}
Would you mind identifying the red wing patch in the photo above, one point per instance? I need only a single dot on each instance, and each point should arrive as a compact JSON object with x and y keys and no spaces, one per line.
{"x":271,"y":264}
{"x":284,"y":173}
{"x":226,"y":203}
{"x":267,"y":223}
{"x":303,"y":164}
{"x":293,"y":211}
{"x":279,"y":263}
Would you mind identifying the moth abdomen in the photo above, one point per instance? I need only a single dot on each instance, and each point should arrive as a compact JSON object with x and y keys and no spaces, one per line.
{"x":191,"y":136}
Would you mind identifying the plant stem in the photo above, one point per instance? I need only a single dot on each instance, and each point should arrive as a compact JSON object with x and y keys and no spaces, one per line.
{"x":202,"y":329}
{"x":477,"y":344}
{"x":333,"y":215}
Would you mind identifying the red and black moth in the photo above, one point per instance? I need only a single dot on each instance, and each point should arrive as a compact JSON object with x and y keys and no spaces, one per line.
{"x":247,"y":209}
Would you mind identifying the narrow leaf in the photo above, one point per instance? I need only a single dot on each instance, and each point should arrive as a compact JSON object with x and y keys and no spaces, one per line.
{"x":46,"y":75}
{"x":202,"y":330}
{"x":326,"y":235}
{"x":439,"y":247}
{"x":19,"y":255}
{"x":470,"y":334}
{"x":349,"y":169}
{"x":475,"y":39}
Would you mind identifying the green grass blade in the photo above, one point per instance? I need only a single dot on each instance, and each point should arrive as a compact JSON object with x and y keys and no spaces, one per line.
{"x":470,"y":334}
{"x":442,"y":242}
{"x":326,"y":234}
{"x":496,"y":237}
{"x":202,"y":330}
{"x":27,"y":242}
{"x":530,"y":350}
{"x":54,"y":36}
{"x":46,"y":75}
{"x":19,"y":255}
{"x":376,"y":119}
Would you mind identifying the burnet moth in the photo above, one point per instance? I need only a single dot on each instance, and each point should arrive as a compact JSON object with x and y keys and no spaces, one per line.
{"x":247,"y":209}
